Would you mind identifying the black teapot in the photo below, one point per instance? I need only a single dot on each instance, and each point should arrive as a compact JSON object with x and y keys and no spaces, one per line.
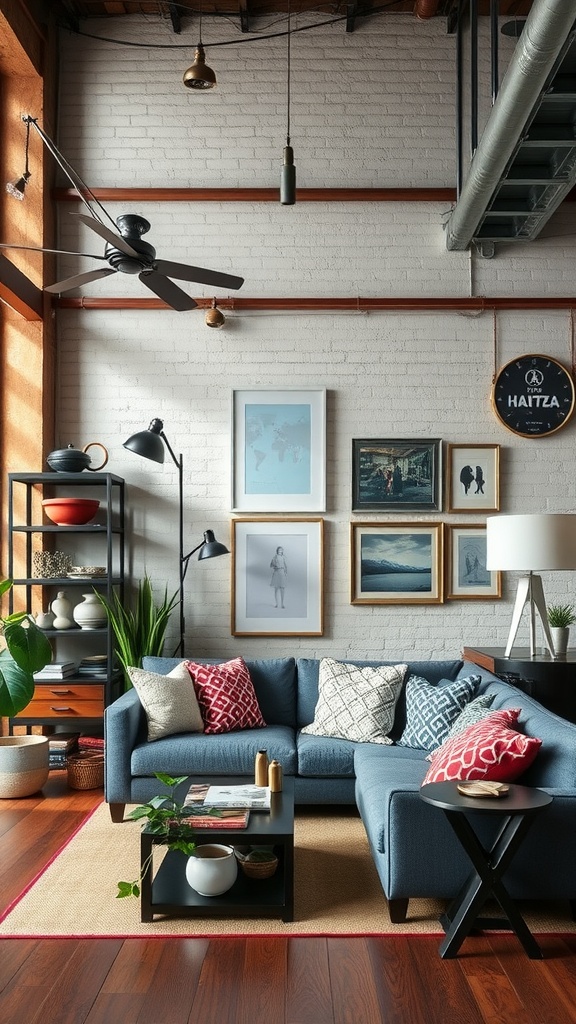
{"x":75,"y":460}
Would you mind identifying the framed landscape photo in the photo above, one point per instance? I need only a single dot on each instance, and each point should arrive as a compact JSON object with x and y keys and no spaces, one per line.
{"x":279,"y":450}
{"x":468,"y":577}
{"x":396,"y":475}
{"x":277,"y":577}
{"x":396,"y":563}
{"x":473,"y":478}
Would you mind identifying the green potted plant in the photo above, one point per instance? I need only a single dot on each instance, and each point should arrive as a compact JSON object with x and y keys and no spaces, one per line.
{"x":23,"y":759}
{"x":560,"y":618}
{"x":170,"y":820}
{"x":140,"y":631}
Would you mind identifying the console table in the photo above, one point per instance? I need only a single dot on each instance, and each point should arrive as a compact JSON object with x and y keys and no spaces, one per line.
{"x":551,"y":682}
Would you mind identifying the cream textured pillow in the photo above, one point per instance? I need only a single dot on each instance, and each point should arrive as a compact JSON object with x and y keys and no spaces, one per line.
{"x":169,"y":701}
{"x":356,"y":702}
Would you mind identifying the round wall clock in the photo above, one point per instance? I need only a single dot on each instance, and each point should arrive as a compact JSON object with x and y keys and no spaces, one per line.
{"x":533,"y":395}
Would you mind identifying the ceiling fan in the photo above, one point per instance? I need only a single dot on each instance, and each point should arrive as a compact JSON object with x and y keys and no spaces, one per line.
{"x":125,"y":251}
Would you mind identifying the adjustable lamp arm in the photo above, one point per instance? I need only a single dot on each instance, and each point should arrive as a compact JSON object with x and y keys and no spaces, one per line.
{"x":186,"y":558}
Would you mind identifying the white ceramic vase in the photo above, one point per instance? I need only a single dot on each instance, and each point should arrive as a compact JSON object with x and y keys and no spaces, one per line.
{"x":62,"y":609}
{"x":90,"y":613}
{"x":560,"y":635}
{"x":212,"y":869}
{"x":23,"y":765}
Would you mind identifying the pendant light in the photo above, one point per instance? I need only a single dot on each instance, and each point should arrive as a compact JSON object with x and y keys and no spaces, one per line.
{"x":288,"y":175}
{"x":16,"y":188}
{"x":214,"y":316}
{"x":199,"y":75}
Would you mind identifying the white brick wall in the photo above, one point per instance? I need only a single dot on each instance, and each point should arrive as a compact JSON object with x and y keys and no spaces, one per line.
{"x":127,"y":120}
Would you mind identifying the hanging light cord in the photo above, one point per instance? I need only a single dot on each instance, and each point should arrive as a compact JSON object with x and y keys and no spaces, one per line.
{"x":27,"y":167}
{"x":288,"y":84}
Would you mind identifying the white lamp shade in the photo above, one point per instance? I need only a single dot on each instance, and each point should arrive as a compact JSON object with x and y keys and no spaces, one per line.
{"x":531,"y":543}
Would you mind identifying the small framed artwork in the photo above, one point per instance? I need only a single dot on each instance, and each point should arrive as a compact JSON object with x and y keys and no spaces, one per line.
{"x":473,"y":478}
{"x":396,"y":475}
{"x":279,"y":450}
{"x":468,"y":577}
{"x":277,"y":577}
{"x":397,"y":563}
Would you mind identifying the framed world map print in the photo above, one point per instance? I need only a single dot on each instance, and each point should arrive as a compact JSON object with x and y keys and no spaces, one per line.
{"x":279,"y":450}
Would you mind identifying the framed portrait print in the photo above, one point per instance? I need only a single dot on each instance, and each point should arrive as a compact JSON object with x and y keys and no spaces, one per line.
{"x":396,"y":563}
{"x":279,"y":450}
{"x":468,"y":577}
{"x":473,"y":478}
{"x":396,"y":475}
{"x":277,"y":577}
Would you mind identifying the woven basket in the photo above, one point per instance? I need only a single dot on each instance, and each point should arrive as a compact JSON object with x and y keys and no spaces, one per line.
{"x":86,"y":771}
{"x":256,"y":868}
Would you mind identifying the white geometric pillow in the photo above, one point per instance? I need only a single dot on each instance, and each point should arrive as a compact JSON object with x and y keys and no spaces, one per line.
{"x":169,"y":701}
{"x":356,"y":702}
{"x":431,"y":710}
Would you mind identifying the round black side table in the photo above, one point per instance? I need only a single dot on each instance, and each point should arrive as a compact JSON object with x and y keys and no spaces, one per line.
{"x":517,"y":810}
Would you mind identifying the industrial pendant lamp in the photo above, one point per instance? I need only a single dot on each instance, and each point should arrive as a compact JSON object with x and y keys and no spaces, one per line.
{"x":17,"y":188}
{"x":288,"y":176}
{"x":214,"y":316}
{"x":199,"y":75}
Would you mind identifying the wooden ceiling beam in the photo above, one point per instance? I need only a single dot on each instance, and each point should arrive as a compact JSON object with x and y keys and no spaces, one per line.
{"x":18,"y":292}
{"x":261,"y":195}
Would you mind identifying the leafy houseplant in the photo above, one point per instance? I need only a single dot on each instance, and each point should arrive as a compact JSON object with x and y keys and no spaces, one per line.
{"x":141,"y":631}
{"x":27,"y":651}
{"x":560,"y":616}
{"x":170,"y":821}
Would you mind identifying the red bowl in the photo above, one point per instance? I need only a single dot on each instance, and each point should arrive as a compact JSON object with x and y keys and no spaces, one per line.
{"x":70,"y":511}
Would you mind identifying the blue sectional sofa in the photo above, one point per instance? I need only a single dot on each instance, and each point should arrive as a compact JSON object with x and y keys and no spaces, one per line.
{"x":414,"y":850}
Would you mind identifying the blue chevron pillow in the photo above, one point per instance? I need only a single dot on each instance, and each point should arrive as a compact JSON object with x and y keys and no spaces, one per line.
{"x":432,"y":710}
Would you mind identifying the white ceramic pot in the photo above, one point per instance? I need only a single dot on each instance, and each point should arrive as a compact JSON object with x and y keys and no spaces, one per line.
{"x":62,"y":609}
{"x":90,"y":613}
{"x":212,"y":869}
{"x":560,"y":635}
{"x":23,"y":765}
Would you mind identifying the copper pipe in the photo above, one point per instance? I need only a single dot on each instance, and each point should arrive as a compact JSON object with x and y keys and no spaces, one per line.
{"x":261,"y":195}
{"x":342,"y":305}
{"x":424,"y":9}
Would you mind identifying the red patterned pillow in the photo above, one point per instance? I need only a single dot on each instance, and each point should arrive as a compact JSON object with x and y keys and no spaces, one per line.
{"x":226,"y":696}
{"x":487,"y":750}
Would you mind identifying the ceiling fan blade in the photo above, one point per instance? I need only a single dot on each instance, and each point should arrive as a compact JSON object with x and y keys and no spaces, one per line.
{"x":167,"y":290}
{"x":58,"y":252}
{"x":78,"y":280}
{"x":198,"y":274}
{"x":115,"y":239}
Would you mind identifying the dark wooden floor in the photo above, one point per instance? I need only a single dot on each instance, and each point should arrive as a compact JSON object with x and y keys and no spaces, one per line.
{"x":398,"y":980}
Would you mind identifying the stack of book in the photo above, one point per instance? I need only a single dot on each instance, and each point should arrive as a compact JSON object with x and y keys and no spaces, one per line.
{"x":225,"y":806}
{"x":95,"y":665}
{"x":60,"y":744}
{"x":55,"y":670}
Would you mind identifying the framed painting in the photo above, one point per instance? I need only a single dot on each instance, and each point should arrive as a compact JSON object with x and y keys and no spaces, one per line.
{"x":473,"y":478}
{"x":396,"y":563}
{"x":277,"y":577}
{"x":396,"y":475}
{"x":279,"y":450}
{"x":468,"y":577}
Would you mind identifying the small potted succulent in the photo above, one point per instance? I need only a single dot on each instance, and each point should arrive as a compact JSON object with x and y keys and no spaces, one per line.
{"x":560,"y":618}
{"x":23,"y":759}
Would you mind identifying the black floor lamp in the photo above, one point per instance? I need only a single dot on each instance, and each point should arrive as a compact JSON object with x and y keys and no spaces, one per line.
{"x":149,"y":444}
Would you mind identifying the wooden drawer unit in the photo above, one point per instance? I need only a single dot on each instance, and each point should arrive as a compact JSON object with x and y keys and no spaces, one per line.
{"x":65,"y":700}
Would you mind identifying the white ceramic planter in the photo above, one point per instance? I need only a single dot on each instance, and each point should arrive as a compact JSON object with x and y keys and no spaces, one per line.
{"x":212,"y":869}
{"x":90,"y":613}
{"x":23,"y":765}
{"x":560,"y":636}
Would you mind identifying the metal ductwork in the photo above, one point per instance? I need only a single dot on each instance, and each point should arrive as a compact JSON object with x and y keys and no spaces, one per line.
{"x":525,"y":163}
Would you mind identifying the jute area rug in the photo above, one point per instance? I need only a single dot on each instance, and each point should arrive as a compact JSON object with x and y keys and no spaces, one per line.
{"x":336,"y":885}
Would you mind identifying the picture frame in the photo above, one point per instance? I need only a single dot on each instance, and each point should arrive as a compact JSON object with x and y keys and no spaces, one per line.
{"x":265,"y":578}
{"x":468,"y":579}
{"x":411,"y":554}
{"x":279,"y":450}
{"x":473,"y":478}
{"x":391,"y":475}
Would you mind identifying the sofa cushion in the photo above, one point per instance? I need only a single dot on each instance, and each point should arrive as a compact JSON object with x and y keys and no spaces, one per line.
{"x":488,"y":750}
{"x":226,"y":696}
{"x":431,"y":710}
{"x":476,"y":711}
{"x":274,"y":682}
{"x":169,"y":701}
{"x":202,"y":756}
{"x":356,"y":702}
{"x":324,"y":757}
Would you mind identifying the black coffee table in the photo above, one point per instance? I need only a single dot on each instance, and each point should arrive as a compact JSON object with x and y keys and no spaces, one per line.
{"x":517,"y":810}
{"x":167,"y":891}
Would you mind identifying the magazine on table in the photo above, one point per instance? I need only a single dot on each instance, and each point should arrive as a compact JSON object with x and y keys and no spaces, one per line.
{"x":256,"y":798}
